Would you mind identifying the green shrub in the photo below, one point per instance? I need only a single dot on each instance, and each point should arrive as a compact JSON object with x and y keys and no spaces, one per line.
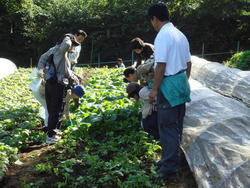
{"x":8,"y":155}
{"x":240,"y":60}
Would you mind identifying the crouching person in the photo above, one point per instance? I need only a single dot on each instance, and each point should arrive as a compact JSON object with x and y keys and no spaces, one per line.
{"x":74,"y":94}
{"x":149,"y":110}
{"x":59,"y":78}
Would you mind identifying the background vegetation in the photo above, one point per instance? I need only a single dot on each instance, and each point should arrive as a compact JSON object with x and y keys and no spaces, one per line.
{"x":29,"y":27}
{"x":240,"y":60}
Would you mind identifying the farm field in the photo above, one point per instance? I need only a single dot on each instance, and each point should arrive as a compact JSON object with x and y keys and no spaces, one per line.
{"x":105,"y":146}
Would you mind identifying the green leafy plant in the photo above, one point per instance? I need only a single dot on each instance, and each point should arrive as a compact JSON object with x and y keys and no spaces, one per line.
{"x":8,"y":155}
{"x":104,"y":146}
{"x":240,"y":60}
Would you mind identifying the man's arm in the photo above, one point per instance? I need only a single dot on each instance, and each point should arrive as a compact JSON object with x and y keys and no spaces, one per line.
{"x":159,"y":73}
{"x":64,"y":48}
{"x":188,"y":70}
{"x":65,"y":45}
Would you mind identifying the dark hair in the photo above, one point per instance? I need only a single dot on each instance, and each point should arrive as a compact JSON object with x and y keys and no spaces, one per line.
{"x":81,"y":32}
{"x":119,"y":60}
{"x":72,"y":38}
{"x":131,"y":95}
{"x":133,"y":89}
{"x":136,"y":43}
{"x":128,"y":71}
{"x":125,"y":80}
{"x":160,"y":11}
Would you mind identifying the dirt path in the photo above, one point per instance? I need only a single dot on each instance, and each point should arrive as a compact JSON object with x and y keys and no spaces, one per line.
{"x":17,"y":175}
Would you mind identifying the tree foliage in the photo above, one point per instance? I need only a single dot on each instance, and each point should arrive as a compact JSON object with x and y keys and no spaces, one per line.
{"x":29,"y":27}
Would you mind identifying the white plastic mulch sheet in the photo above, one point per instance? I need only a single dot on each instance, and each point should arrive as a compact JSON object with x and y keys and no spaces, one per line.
{"x":7,"y":67}
{"x":227,"y":81}
{"x":216,"y":139}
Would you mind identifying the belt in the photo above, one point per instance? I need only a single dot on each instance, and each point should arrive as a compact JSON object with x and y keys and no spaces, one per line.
{"x":176,"y":73}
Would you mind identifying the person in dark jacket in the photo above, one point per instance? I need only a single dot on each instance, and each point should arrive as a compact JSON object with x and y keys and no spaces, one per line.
{"x":142,"y":49}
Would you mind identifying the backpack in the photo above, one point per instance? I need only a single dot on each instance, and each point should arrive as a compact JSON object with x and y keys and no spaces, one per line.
{"x":145,"y":71}
{"x":50,"y":70}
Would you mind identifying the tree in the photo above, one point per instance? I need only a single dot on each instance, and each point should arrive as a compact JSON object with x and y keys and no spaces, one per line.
{"x":29,"y":27}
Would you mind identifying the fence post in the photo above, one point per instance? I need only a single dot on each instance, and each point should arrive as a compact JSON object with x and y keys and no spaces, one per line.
{"x":238,"y":47}
{"x":202,"y":50}
{"x":91,"y":53}
{"x":132,"y":57}
{"x":99,"y":59}
{"x":30,"y":62}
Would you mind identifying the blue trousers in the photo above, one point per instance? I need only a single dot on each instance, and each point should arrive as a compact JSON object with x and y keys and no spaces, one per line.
{"x":170,"y":124}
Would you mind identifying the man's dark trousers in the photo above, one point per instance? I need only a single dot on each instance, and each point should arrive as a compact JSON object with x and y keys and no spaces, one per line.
{"x":55,"y":94}
{"x":170,"y":123}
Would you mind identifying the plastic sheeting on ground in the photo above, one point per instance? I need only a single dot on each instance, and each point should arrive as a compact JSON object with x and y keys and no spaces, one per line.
{"x":227,"y":81}
{"x":216,"y":138}
{"x":7,"y":67}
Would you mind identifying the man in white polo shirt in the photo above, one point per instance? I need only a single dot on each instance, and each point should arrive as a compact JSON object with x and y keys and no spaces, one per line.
{"x":170,"y":87}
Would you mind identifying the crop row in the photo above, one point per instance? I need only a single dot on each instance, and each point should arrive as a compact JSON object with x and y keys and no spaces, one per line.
{"x":104,"y":147}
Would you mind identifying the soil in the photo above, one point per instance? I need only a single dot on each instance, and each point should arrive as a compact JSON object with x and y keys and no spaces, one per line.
{"x":19,"y":175}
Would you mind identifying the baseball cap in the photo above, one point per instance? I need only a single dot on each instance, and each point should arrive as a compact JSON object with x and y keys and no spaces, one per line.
{"x":79,"y":90}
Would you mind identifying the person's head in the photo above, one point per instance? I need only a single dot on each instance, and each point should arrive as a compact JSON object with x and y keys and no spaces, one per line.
{"x":130,"y":74}
{"x":159,"y":15}
{"x":137,"y":45}
{"x":77,"y":92}
{"x":133,"y":90}
{"x":119,"y":61}
{"x":80,"y":35}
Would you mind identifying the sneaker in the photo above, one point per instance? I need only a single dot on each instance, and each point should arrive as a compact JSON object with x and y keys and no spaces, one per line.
{"x":58,"y":132}
{"x":44,"y":129}
{"x":52,"y":140}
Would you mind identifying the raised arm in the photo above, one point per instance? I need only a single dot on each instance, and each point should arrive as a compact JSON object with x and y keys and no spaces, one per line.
{"x":65,"y":45}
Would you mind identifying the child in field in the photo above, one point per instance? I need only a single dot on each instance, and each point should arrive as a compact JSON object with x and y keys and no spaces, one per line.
{"x":144,"y":73}
{"x":130,"y":75}
{"x":149,"y":111}
{"x":75,"y":93}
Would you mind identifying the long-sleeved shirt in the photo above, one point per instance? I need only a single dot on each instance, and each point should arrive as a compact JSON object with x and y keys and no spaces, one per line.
{"x":74,"y":55}
{"x":60,"y":59}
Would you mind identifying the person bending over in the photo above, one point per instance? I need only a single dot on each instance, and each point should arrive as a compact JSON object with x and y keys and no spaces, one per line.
{"x":142,"y":50}
{"x":149,"y":111}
